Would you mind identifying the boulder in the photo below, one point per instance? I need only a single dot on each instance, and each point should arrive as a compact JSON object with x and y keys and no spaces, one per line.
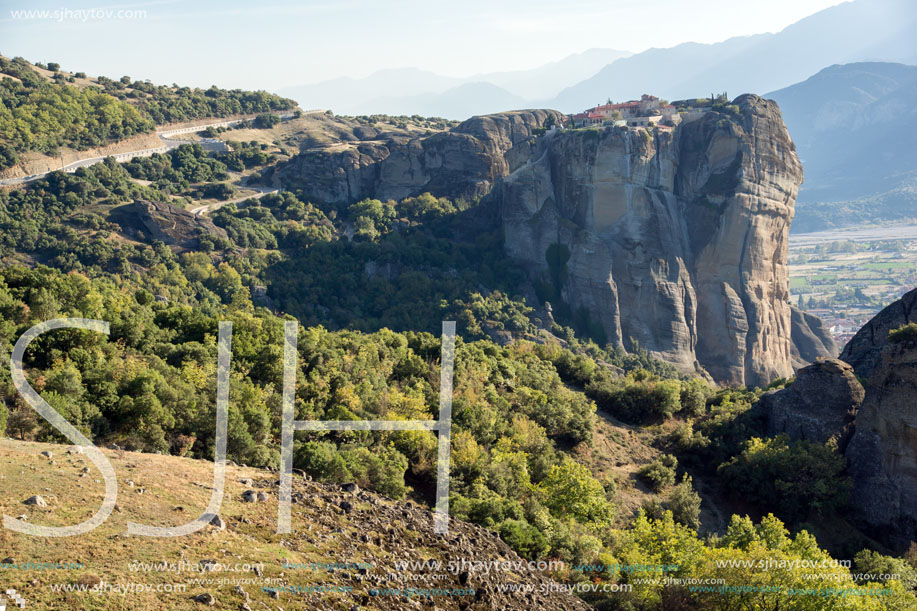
{"x":820,"y":404}
{"x":205,"y":599}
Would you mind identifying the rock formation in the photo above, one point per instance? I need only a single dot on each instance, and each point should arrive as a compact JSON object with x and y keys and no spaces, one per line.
{"x":882,"y":455}
{"x":159,"y":221}
{"x":462,"y":162}
{"x":811,"y":339}
{"x":820,"y":404}
{"x":677,"y":239}
{"x":674,"y":238}
{"x":864,"y":350}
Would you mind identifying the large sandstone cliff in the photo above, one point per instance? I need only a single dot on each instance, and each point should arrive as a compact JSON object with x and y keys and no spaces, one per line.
{"x":462,"y":162}
{"x":677,"y":239}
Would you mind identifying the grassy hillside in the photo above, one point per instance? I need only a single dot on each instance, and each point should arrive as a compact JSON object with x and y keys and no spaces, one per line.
{"x":243,"y":563}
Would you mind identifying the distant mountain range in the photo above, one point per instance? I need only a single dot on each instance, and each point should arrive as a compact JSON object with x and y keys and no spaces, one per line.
{"x":854,"y":122}
{"x":408,"y":91}
{"x":863,"y":30}
{"x":854,"y":127}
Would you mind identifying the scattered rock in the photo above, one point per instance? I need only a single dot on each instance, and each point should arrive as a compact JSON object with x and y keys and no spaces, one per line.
{"x":218,"y":522}
{"x":250,"y":496}
{"x":205,"y":599}
{"x":36,"y":500}
{"x":350,"y":487}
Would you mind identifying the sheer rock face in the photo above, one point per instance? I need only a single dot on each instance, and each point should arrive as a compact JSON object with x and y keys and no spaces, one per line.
{"x":463,"y":162}
{"x":819,"y":405}
{"x":864,"y":350}
{"x":811,"y":339}
{"x":677,"y":240}
{"x":882,"y":455}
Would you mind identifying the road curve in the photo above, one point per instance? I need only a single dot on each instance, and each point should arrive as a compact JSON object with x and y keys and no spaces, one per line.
{"x":167,"y":145}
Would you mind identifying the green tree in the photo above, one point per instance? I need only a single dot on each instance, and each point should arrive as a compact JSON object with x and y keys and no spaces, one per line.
{"x":570,"y":490}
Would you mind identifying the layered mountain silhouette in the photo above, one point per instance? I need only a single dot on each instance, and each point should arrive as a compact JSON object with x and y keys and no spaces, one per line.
{"x":863,"y":30}
{"x":854,"y":127}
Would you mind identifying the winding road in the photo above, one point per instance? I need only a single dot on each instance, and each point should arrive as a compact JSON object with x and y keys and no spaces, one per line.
{"x":202,"y":210}
{"x":168,"y":143}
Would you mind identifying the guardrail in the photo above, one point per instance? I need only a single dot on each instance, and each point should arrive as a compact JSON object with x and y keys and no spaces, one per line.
{"x":163,"y":135}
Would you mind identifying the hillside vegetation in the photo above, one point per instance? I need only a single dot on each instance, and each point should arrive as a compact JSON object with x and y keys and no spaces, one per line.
{"x":370,"y":284}
{"x":43,"y":114}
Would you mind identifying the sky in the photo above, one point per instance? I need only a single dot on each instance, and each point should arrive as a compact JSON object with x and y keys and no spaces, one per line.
{"x":274,"y":43}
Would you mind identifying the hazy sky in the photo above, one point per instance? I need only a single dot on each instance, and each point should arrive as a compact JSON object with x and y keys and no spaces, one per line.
{"x":272,"y":44}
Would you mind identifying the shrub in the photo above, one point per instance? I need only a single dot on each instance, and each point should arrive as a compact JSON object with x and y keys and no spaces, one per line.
{"x":524,"y":538}
{"x":693,"y":397}
{"x":684,"y":503}
{"x":571,"y":490}
{"x":634,"y":399}
{"x":265,"y":121}
{"x":868,"y":562}
{"x":659,"y":473}
{"x":322,"y":461}
{"x":793,"y":479}
{"x":381,"y":470}
{"x":906,"y":333}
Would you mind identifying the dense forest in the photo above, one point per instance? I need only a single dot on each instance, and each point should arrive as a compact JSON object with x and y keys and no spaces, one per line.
{"x":42,"y":115}
{"x":370,"y":284}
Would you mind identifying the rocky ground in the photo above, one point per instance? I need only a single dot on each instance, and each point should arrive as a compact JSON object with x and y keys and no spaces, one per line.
{"x":250,"y":565}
